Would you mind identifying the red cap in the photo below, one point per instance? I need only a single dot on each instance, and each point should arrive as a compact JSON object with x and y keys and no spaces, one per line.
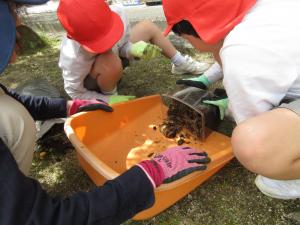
{"x":91,"y":23}
{"x":211,"y":19}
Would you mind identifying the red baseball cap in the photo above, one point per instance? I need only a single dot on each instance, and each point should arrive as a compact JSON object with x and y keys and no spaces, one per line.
{"x":91,"y":23}
{"x":211,"y":19}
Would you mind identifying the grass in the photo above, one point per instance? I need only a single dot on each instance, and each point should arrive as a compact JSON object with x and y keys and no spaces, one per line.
{"x":229,"y":197}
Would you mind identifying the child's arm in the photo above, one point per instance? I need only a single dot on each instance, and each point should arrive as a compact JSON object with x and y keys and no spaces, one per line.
{"x":130,"y":50}
{"x":212,"y":75}
{"x":76,"y":64}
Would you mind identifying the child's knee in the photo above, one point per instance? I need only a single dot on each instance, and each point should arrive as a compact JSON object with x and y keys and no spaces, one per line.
{"x":114,"y":68}
{"x":149,"y":26}
{"x":107,"y":64}
{"x":249,"y":143}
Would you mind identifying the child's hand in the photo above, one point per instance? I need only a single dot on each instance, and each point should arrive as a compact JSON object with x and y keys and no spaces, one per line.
{"x":145,"y":50}
{"x":198,"y":82}
{"x":173,"y":164}
{"x":222,"y":105}
{"x":79,"y":105}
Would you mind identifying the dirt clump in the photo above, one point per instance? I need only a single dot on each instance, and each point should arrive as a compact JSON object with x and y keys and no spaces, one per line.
{"x":181,"y":118}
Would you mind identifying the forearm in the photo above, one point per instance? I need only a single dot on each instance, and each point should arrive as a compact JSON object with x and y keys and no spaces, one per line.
{"x":214,"y":73}
{"x":41,"y":108}
{"x":24,"y":202}
{"x":114,"y":203}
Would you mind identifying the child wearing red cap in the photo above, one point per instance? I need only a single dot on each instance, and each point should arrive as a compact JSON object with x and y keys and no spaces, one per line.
{"x":96,"y":39}
{"x":23,"y":200}
{"x":256,"y":43}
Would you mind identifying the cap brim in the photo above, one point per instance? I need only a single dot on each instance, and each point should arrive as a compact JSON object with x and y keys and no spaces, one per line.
{"x":7,"y":35}
{"x":109,"y":40}
{"x":168,"y":29}
{"x":31,"y":2}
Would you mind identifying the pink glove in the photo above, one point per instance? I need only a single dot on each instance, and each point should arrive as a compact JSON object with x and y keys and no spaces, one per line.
{"x":174,"y":163}
{"x":79,"y":105}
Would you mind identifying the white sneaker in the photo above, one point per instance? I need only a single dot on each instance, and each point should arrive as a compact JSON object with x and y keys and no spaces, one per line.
{"x":282,"y":189}
{"x":190,"y":66}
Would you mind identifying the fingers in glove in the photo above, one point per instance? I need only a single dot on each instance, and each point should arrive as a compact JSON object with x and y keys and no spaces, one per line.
{"x":202,"y":157}
{"x":192,"y":83}
{"x":184,"y":173}
{"x":220,"y":92}
{"x":200,"y":161}
{"x":185,"y":147}
{"x":151,"y":51}
{"x":102,"y":101}
{"x":212,"y":98}
{"x":199,"y":153}
{"x":193,"y":151}
{"x":92,"y":107}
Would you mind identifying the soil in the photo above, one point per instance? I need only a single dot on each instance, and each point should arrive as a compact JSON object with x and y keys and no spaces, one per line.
{"x":54,"y":139}
{"x":182,"y":117}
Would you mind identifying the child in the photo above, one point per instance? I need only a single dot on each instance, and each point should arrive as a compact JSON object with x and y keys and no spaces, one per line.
{"x":91,"y":52}
{"x":256,"y":43}
{"x":23,"y":201}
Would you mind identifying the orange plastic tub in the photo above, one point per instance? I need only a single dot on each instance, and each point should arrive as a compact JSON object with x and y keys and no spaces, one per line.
{"x":110,"y":143}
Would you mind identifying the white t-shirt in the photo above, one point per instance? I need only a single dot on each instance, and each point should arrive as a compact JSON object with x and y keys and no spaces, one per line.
{"x":76,"y":62}
{"x":261,"y":58}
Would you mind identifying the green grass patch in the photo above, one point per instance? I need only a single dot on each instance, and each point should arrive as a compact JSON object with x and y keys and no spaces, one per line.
{"x":229,"y":197}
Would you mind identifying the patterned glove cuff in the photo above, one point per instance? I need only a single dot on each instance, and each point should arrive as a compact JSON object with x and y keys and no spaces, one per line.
{"x":74,"y":107}
{"x":153,"y":171}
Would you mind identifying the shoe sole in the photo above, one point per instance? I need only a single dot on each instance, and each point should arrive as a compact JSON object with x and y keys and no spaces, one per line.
{"x":260,"y":184}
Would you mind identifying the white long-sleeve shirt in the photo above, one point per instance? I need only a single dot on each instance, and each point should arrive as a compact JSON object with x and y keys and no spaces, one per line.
{"x":76,"y":63}
{"x":214,"y":73}
{"x":261,"y":58}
